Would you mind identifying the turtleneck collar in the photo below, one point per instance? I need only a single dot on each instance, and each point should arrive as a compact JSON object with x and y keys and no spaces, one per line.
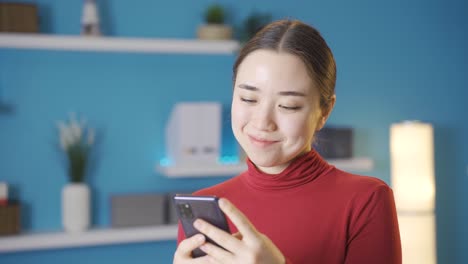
{"x":301,"y":170}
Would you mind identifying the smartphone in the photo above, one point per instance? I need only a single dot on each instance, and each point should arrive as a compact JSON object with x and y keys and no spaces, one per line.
{"x":191,"y":207}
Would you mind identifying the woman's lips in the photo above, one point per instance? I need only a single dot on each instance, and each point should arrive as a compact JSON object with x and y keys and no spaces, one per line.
{"x":261,"y":142}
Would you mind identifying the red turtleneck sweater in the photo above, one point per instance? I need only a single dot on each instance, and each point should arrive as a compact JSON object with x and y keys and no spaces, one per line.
{"x":316,"y":213}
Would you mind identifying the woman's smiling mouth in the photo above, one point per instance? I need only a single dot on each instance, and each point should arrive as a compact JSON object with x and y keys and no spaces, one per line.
{"x":259,"y":142}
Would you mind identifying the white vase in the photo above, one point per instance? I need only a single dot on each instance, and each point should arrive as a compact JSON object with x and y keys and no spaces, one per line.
{"x":76,"y":207}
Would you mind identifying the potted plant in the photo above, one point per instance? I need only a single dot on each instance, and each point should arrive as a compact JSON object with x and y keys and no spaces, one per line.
{"x":214,"y":27}
{"x":76,"y":141}
{"x":252,"y":24}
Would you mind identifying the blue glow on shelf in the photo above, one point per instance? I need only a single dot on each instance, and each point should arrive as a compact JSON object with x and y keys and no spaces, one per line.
{"x":228,"y":160}
{"x":165,"y":162}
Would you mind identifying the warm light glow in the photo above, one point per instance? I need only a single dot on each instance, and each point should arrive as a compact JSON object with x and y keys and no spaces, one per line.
{"x":412,"y":166}
{"x":413,"y":183}
{"x":418,"y":238}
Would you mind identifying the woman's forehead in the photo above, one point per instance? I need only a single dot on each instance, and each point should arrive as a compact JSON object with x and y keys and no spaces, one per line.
{"x":277,"y":70}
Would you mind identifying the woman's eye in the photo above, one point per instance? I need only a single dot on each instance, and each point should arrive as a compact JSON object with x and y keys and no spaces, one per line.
{"x":250,"y":101}
{"x":292,"y":108}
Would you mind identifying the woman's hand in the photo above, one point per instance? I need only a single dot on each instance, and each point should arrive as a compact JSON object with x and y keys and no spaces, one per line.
{"x":183,"y":253}
{"x":247,"y":246}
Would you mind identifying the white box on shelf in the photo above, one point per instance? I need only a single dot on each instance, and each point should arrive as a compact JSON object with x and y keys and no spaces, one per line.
{"x":193,"y":133}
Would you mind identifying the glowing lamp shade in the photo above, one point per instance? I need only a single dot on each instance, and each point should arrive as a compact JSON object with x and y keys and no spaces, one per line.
{"x":412,"y":166}
{"x":413,"y":183}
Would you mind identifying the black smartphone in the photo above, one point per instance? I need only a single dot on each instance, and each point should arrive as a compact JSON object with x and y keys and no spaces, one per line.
{"x":191,"y":207}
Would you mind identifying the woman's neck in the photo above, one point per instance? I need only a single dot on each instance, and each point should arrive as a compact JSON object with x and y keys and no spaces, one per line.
{"x":280,"y":168}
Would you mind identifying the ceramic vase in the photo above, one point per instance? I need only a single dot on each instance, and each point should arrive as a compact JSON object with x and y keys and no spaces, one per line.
{"x":76,"y":207}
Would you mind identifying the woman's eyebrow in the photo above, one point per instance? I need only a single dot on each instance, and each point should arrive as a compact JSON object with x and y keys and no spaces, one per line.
{"x":292,"y":93}
{"x":285,"y":93}
{"x":248,"y":87}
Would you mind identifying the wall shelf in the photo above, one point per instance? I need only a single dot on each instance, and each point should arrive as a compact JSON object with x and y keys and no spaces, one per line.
{"x":353,"y":164}
{"x":201,"y":170}
{"x":107,"y":236}
{"x":116,"y":44}
{"x":93,"y":237}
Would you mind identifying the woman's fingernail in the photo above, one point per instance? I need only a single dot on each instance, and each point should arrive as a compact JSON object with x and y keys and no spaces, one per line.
{"x":197,"y":224}
{"x":200,"y":237}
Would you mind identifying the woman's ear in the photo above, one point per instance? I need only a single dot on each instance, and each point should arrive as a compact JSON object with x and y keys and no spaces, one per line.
{"x":326,"y":113}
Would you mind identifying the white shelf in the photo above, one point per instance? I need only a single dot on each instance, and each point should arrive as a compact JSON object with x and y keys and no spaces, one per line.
{"x":201,"y":171}
{"x":93,"y":237}
{"x":116,"y":44}
{"x":353,"y":164}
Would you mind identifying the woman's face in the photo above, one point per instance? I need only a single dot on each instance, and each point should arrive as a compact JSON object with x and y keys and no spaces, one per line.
{"x":275,"y":109}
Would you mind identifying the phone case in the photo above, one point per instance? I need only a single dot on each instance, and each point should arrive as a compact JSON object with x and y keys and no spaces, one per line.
{"x":190,"y":207}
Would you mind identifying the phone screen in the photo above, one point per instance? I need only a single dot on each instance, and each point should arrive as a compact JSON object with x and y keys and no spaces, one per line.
{"x":191,"y":207}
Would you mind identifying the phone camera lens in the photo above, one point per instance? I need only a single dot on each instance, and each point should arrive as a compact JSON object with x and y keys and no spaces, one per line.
{"x":186,"y":211}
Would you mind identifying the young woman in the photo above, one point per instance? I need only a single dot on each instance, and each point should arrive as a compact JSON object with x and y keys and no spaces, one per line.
{"x":291,"y":206}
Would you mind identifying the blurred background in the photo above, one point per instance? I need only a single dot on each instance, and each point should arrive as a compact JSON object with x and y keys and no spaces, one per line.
{"x":396,"y":60}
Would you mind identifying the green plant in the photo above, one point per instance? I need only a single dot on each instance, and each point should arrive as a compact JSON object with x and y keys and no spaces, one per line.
{"x":76,"y":140}
{"x":214,"y":14}
{"x":254,"y":23}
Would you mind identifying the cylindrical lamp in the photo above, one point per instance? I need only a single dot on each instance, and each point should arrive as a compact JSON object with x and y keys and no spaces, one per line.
{"x":413,"y":183}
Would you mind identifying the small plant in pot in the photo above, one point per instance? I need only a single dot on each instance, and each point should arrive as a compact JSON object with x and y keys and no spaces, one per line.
{"x":76,"y":141}
{"x":253,"y":23}
{"x":215,"y":27}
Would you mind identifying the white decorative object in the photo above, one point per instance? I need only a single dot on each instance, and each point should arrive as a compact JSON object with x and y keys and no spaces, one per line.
{"x":413,"y":182}
{"x":193,"y":134}
{"x":76,"y":200}
{"x":90,"y":19}
{"x":76,"y":140}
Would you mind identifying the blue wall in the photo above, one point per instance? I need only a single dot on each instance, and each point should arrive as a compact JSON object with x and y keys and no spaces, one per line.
{"x":396,"y":61}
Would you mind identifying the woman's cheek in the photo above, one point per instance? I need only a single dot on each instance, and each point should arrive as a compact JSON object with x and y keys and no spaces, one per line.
{"x":294,"y":127}
{"x":238,"y":115}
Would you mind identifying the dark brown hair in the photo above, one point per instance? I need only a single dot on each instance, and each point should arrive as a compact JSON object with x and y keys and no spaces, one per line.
{"x":305,"y":42}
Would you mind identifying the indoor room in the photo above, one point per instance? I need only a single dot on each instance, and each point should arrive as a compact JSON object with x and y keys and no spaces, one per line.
{"x":111,"y":109}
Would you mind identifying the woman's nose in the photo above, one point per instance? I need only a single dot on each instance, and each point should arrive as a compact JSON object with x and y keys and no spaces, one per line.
{"x":263,"y":119}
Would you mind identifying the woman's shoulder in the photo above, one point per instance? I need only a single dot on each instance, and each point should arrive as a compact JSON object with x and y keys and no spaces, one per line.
{"x":358,"y":183}
{"x":359,"y":192}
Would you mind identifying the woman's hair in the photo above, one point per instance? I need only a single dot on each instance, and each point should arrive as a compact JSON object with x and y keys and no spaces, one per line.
{"x":305,"y":42}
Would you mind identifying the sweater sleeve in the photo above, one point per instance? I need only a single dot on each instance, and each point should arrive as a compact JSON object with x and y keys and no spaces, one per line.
{"x":374,"y":235}
{"x":180,"y":234}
